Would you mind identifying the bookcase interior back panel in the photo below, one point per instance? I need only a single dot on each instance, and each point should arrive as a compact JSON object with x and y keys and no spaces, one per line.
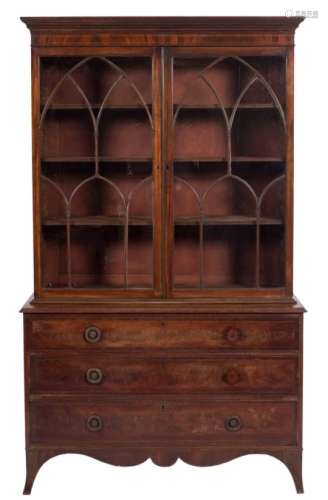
{"x":229,"y":163}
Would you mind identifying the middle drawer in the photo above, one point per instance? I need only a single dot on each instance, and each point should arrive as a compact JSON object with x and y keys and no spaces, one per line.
{"x":125,"y":375}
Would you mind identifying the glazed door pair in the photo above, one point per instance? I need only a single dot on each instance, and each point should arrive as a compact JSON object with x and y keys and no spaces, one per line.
{"x":162,"y":172}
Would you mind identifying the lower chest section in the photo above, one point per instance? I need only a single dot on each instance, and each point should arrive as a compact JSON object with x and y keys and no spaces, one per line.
{"x":231,"y":379}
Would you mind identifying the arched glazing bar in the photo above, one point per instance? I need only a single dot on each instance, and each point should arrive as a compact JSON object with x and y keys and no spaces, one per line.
{"x":59,"y":190}
{"x":197,"y":197}
{"x":229,"y":123}
{"x":248,"y":188}
{"x":267,"y":188}
{"x":96,"y":123}
{"x":130,"y":196}
{"x":257,"y":76}
{"x":201,"y":199}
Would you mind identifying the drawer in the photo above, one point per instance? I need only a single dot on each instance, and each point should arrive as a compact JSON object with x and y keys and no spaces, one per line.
{"x":97,"y":373}
{"x":154,"y":421}
{"x":280,"y":333}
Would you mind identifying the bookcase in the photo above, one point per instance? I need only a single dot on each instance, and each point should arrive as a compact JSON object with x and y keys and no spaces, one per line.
{"x":163,"y":322}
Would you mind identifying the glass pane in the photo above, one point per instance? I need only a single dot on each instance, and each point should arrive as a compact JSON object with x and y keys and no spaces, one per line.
{"x":96,"y":172}
{"x":229,"y":166}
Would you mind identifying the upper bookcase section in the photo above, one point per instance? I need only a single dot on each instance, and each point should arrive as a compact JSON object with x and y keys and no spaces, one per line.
{"x":162,"y":31}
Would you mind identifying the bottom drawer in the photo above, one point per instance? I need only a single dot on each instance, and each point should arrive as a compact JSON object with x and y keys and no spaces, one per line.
{"x":154,"y":421}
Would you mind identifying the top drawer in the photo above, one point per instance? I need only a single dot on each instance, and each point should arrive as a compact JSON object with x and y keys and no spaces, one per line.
{"x":257,"y":333}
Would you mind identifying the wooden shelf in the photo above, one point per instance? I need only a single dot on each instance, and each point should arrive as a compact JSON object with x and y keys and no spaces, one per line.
{"x":217,"y":106}
{"x":91,"y":159}
{"x":98,"y":221}
{"x":235,"y":159}
{"x":101,"y":221}
{"x":109,"y":159}
{"x":231,"y":220}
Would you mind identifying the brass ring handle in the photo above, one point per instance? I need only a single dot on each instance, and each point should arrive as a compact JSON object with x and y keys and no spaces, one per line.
{"x":231,"y":376}
{"x":92,"y":334}
{"x":233,"y":424}
{"x":94,"y":423}
{"x":232,"y":334}
{"x":94,"y":375}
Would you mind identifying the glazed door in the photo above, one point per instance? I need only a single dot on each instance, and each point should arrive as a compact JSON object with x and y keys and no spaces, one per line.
{"x":226,"y":156}
{"x":98,"y":164}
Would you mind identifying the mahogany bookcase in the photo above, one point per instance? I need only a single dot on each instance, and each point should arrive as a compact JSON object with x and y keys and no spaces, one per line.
{"x":163,"y":322}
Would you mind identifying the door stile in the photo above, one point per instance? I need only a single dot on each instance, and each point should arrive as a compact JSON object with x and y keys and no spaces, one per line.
{"x":157,"y":173}
{"x":167,"y":147}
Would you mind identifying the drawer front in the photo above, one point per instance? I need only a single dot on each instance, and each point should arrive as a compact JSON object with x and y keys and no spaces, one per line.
{"x":144,"y":421}
{"x":140,"y":334}
{"x":115,"y":374}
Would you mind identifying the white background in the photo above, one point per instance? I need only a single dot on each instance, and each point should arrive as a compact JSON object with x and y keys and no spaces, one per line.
{"x":254,"y":477}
